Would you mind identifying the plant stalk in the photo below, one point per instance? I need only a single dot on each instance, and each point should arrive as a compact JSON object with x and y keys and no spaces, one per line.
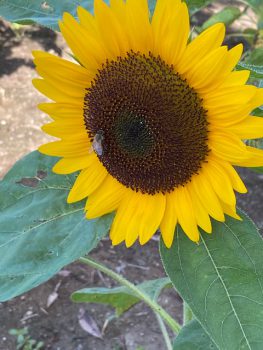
{"x":175,"y":327}
{"x":164,"y":332}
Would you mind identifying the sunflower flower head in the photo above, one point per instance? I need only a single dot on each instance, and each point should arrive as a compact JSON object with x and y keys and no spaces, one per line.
{"x":154,"y":123}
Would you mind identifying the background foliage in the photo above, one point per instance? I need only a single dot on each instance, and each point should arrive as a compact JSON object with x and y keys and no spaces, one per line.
{"x":39,"y":232}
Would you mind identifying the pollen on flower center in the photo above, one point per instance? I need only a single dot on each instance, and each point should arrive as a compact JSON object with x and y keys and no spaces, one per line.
{"x":153,"y":123}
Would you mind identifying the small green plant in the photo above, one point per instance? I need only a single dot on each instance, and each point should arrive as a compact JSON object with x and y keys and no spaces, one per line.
{"x":24,"y":341}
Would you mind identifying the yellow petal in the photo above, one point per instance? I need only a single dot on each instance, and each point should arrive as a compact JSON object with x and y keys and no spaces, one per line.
{"x":235,"y":179}
{"x":66,"y":129}
{"x":169,"y":221}
{"x":56,"y":92}
{"x":123,"y":222}
{"x":119,"y":9}
{"x":257,"y":100}
{"x":112,"y":35}
{"x":230,"y":96}
{"x":138,"y":26}
{"x":231,"y":211}
{"x":254,"y":158}
{"x":70,"y":165}
{"x":220,"y":182}
{"x":62,"y":111}
{"x":233,"y":57}
{"x":83,"y":45}
{"x":152,"y":208}
{"x":201,"y":214}
{"x":106,"y":198}
{"x":201,"y":46}
{"x":206,"y":74}
{"x":58,"y":68}
{"x":185,"y":213}
{"x":227,"y":146}
{"x":87,"y":21}
{"x":171,"y":27}
{"x":66,"y":148}
{"x":249,"y":128}
{"x":236,"y":78}
{"x":138,"y":215}
{"x":88,"y":181}
{"x":207,"y":196}
{"x":228,"y":115}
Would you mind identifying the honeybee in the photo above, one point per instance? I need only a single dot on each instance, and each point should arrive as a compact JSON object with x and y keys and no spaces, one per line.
{"x":97,"y":146}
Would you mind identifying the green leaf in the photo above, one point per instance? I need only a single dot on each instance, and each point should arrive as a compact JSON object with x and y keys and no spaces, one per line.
{"x":258,"y":112}
{"x":256,"y":71}
{"x":39,"y":232}
{"x":221,"y":279}
{"x":255,"y":57}
{"x":228,"y":15}
{"x":258,"y":170}
{"x":193,"y":337}
{"x":196,"y":5}
{"x":121,"y":298}
{"x":46,"y":13}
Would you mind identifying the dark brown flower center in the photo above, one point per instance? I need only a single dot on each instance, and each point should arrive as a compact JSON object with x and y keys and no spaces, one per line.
{"x":148,"y":126}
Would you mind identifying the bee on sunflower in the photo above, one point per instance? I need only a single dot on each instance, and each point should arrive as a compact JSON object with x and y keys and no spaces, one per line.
{"x":154,"y":123}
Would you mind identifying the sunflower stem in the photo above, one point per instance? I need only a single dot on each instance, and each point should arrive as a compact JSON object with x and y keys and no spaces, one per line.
{"x":175,"y":327}
{"x":165,"y":334}
{"x":188,"y":314}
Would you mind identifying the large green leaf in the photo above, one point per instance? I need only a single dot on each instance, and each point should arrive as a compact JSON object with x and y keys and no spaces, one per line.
{"x":192,"y":337}
{"x":39,"y":231}
{"x":46,"y":13}
{"x":228,"y":15}
{"x":221,"y":279}
{"x":121,"y":298}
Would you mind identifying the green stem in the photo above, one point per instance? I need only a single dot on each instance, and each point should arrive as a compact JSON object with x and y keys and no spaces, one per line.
{"x":188,"y":314}
{"x":164,"y":332}
{"x":156,"y":307}
{"x":233,"y":35}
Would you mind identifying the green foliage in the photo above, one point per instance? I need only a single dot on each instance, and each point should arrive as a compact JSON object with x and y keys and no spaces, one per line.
{"x":256,"y":71}
{"x":39,"y":232}
{"x":257,"y":6}
{"x":196,"y":5}
{"x":221,"y":279}
{"x":258,"y":112}
{"x":24,"y":341}
{"x":193,"y":337}
{"x":256,"y":57}
{"x":46,"y":13}
{"x":121,"y":298}
{"x":228,"y":15}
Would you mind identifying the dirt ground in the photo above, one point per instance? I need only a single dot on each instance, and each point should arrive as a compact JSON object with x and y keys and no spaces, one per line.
{"x":57,"y":326}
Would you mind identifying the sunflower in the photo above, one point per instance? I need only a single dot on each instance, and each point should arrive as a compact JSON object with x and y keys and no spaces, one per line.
{"x":154,"y":123}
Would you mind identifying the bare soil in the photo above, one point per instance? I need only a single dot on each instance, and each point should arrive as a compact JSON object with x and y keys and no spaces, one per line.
{"x":57,"y":326}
